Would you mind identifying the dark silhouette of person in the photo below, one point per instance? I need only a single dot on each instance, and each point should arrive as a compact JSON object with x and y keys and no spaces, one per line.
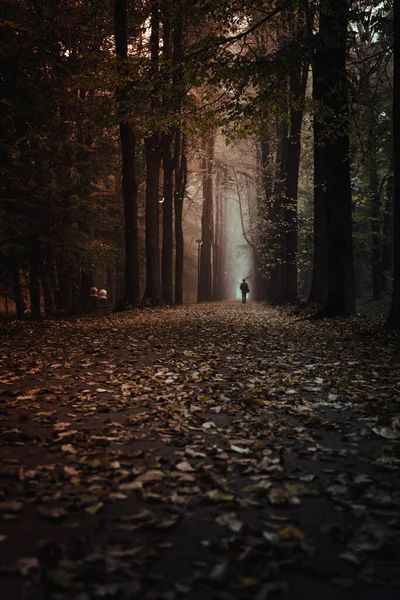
{"x":244,"y":288}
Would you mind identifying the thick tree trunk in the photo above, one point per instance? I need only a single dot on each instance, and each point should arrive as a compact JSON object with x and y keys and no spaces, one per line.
{"x":129,"y":184}
{"x":319,"y":285}
{"x":153,"y":164}
{"x":298,"y":82}
{"x":394,"y":315}
{"x":207,"y":226}
{"x":129,"y":191}
{"x":333,"y":36}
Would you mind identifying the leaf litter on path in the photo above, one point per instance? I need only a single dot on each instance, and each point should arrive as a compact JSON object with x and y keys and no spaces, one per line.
{"x":240,"y":451}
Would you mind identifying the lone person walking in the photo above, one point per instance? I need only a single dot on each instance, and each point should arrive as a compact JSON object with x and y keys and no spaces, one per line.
{"x":244,"y":288}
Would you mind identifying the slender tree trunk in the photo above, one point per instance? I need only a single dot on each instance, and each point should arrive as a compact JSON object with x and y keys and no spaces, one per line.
{"x":48,"y":296}
{"x":207,"y":228}
{"x":55,"y":285}
{"x":216,"y":247}
{"x":179,"y":193}
{"x":277,"y":239}
{"x":167,"y":223}
{"x":333,"y":32}
{"x":394,"y":315}
{"x":168,"y":183}
{"x":263,"y":211}
{"x":34,"y":285}
{"x":129,"y":184}
{"x":86,"y":282}
{"x":110,"y":284}
{"x":387,"y":237}
{"x":64,"y":285}
{"x":376,"y":257}
{"x":18,"y":298}
{"x":152,"y":220}
{"x":319,"y":284}
{"x":222,"y":245}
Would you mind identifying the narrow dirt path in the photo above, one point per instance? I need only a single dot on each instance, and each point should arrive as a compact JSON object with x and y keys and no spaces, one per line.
{"x":214,"y":451}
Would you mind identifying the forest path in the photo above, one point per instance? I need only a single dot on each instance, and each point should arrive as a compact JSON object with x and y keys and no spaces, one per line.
{"x":210,"y":451}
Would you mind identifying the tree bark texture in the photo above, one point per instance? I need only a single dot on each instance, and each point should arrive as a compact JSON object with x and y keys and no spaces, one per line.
{"x":48,"y":295}
{"x":263,"y":287}
{"x":394,"y":315}
{"x":179,"y":193}
{"x":333,"y":36}
{"x":376,"y":256}
{"x":129,"y":184}
{"x":18,"y":298}
{"x":153,"y":164}
{"x":298,"y":82}
{"x":215,"y":251}
{"x":34,"y":281}
{"x":167,"y":221}
{"x":277,"y":241}
{"x":319,"y":284}
{"x":387,"y":236}
{"x":207,"y":226}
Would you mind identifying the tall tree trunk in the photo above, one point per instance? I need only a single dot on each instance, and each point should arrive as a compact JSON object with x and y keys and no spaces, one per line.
{"x":48,"y":296}
{"x":167,"y":223}
{"x":179,"y":193}
{"x":298,"y":83}
{"x":179,"y":163}
{"x":129,"y":184}
{"x":263,"y":288}
{"x":333,"y":36}
{"x":168,"y":183}
{"x":152,"y":219}
{"x":110,"y":284}
{"x":277,"y":240}
{"x":319,"y":284}
{"x":216,"y":244}
{"x":207,"y":227}
{"x":86,"y":282}
{"x":394,"y":315}
{"x":376,"y":257}
{"x":64,"y":284}
{"x":34,"y":285}
{"x":153,"y":164}
{"x":387,"y":237}
{"x":18,"y":297}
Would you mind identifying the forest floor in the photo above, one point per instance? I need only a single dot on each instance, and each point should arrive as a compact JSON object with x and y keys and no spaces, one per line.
{"x":213,"y":451}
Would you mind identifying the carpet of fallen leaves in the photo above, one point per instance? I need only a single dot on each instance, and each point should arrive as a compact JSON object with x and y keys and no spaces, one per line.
{"x":210,"y":451}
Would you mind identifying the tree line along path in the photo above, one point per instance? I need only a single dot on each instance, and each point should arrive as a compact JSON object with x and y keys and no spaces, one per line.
{"x":221,"y":451}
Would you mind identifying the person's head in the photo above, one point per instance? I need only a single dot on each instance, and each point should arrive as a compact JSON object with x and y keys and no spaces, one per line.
{"x":244,"y":281}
